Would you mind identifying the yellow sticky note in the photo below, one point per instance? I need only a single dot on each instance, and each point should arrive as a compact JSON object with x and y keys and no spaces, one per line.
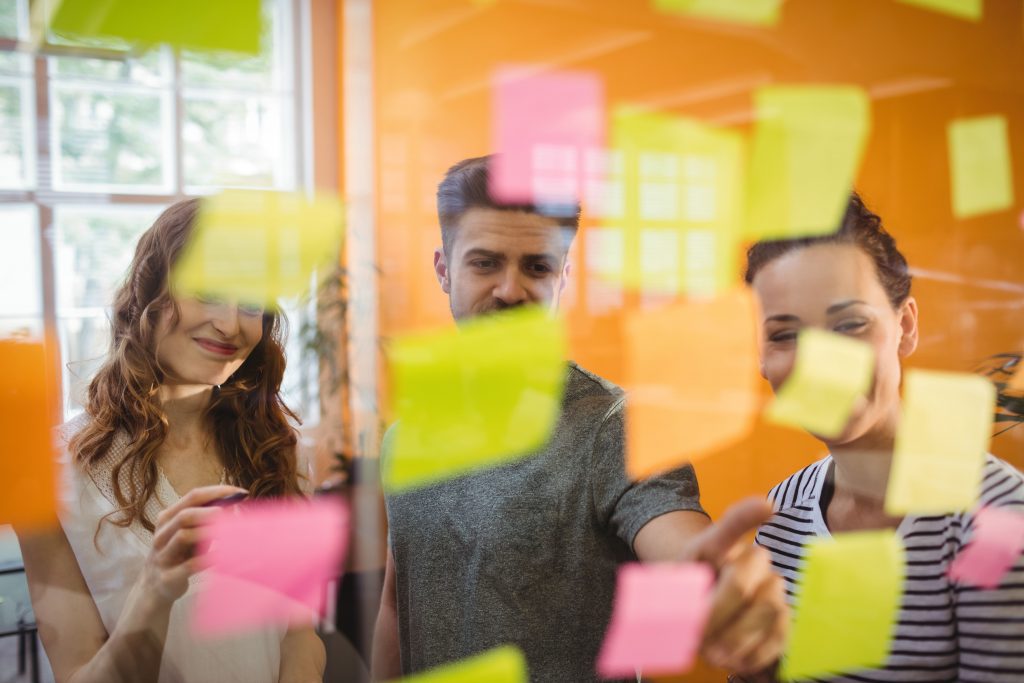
{"x":830,"y":373}
{"x":233,"y":25}
{"x":964,"y":9}
{"x":257,"y":246}
{"x":683,"y":183}
{"x":505,"y":664}
{"x":807,"y":147}
{"x":979,"y":166}
{"x":847,"y":604}
{"x":485,"y":394}
{"x":764,"y":12}
{"x":941,"y":442}
{"x":692,"y":380}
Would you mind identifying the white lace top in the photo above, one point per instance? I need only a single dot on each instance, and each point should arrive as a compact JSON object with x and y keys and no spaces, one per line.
{"x":111,"y":562}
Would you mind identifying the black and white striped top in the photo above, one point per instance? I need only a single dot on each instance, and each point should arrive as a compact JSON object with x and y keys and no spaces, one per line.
{"x":946,"y":631}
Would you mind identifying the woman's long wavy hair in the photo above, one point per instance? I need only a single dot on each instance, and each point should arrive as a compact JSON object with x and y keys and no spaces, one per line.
{"x":246,"y":417}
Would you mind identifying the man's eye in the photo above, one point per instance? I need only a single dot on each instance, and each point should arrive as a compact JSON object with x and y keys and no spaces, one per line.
{"x":540,"y":268}
{"x":483,"y":263}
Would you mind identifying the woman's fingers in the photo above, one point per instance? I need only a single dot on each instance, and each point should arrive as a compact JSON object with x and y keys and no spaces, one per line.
{"x":197,"y":497}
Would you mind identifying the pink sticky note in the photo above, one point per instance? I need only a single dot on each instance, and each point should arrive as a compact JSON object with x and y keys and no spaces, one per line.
{"x":269,"y":562}
{"x":995,"y":547}
{"x":658,"y":620}
{"x":549,"y":130}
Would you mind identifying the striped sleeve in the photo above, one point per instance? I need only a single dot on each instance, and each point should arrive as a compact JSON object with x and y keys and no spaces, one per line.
{"x":991,"y":622}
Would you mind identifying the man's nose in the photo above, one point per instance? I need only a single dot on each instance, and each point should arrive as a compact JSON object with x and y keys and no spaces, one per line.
{"x":510,"y":290}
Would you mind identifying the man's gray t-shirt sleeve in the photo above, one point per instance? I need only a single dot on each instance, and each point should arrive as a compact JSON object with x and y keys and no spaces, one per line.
{"x":624,"y":505}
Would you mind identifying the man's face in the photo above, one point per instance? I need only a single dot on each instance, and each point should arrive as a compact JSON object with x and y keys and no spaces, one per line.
{"x":500,"y":259}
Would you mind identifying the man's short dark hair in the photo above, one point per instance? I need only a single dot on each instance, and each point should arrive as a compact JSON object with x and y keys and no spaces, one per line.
{"x":465,"y":187}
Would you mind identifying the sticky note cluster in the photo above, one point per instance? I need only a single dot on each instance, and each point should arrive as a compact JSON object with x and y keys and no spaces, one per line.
{"x":478,"y":396}
{"x":658,"y":619}
{"x":941,"y":442}
{"x":545,"y":125}
{"x":679,"y":411}
{"x":996,"y":545}
{"x":233,"y":25}
{"x":28,"y":415}
{"x":269,"y":563}
{"x":259,"y":246}
{"x":505,"y":664}
{"x":980,"y":168}
{"x":830,"y":374}
{"x":847,"y":604}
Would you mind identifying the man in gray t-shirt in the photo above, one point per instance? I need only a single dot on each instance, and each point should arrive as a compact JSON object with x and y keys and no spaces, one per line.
{"x":527,"y":553}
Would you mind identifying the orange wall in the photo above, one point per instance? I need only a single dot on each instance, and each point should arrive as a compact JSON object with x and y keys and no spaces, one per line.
{"x":433,"y":62}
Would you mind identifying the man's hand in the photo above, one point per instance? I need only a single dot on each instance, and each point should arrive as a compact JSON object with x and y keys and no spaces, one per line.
{"x":746,"y":631}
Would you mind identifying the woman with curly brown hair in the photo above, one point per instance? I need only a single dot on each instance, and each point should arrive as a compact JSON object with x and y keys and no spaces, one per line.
{"x":185,"y":410}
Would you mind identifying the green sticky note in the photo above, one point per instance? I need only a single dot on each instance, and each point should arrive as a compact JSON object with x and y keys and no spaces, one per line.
{"x":963,"y":9}
{"x":807,"y":147}
{"x":941,"y":442}
{"x":763,"y":12}
{"x":847,"y":604}
{"x":480,"y":396}
{"x":830,"y":373}
{"x":683,"y":208}
{"x":233,"y":25}
{"x":505,"y":664}
{"x":258,"y":246}
{"x":979,"y":165}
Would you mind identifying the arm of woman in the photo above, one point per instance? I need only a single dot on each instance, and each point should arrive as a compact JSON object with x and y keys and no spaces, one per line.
{"x":303,"y":657}
{"x":74,"y":637}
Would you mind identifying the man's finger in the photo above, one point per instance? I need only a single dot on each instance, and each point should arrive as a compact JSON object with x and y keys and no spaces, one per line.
{"x":713,"y":544}
{"x":763,"y":621}
{"x":738,"y":587}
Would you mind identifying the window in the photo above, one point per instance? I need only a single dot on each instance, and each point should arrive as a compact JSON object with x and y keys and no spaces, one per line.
{"x":118,"y":136}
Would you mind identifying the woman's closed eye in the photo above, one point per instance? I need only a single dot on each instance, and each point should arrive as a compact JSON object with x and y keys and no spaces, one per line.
{"x":851,"y":327}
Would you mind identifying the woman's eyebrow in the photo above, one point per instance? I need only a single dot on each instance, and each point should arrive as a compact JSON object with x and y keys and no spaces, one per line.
{"x":782,"y":318}
{"x":835,"y":308}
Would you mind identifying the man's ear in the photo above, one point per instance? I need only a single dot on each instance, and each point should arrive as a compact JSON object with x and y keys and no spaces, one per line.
{"x":566,"y":272}
{"x":441,"y":270}
{"x":908,"y":327}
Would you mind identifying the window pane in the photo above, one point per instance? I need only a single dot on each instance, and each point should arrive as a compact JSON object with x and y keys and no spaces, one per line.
{"x":108,"y":139}
{"x":14,"y":19}
{"x":94,"y":247}
{"x":17,"y":131}
{"x":21,"y":284}
{"x":237,"y":142}
{"x":152,"y":68}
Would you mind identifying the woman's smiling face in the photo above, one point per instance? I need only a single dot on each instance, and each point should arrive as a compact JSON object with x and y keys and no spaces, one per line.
{"x":835,"y":287}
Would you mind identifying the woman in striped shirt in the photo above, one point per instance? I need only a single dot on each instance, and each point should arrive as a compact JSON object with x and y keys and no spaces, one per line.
{"x":855,"y":282}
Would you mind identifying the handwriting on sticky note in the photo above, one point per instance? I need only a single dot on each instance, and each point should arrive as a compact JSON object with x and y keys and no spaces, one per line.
{"x":269,"y":563}
{"x":691,"y":373}
{"x":757,"y":12}
{"x":256,"y":246}
{"x":847,"y":604}
{"x":830,"y":374}
{"x":944,"y":431}
{"x":658,"y":619}
{"x":979,"y":164}
{"x":505,"y":664}
{"x":683,"y":184}
{"x":28,"y":414}
{"x":962,"y":9}
{"x":995,"y":546}
{"x":485,"y":394}
{"x":546,"y":123}
{"x":807,"y":147}
{"x":233,"y":25}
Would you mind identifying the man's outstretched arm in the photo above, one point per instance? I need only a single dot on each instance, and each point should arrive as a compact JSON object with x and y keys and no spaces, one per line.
{"x":386,"y":659}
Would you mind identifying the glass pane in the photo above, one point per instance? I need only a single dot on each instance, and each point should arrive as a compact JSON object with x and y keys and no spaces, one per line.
{"x":14,"y":18}
{"x":237,"y":142}
{"x":239,"y":71}
{"x":15,"y":63}
{"x":17,"y":131}
{"x":93,"y":249}
{"x":21,"y":282}
{"x":152,"y":68}
{"x":110,"y":139}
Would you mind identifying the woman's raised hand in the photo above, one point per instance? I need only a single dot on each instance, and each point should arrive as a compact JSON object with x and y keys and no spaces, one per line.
{"x":172,"y":559}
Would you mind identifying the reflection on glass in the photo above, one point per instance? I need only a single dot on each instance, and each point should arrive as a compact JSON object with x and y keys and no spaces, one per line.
{"x":111,"y":139}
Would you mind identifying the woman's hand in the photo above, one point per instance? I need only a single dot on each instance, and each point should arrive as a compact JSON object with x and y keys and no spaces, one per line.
{"x":172,"y":559}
